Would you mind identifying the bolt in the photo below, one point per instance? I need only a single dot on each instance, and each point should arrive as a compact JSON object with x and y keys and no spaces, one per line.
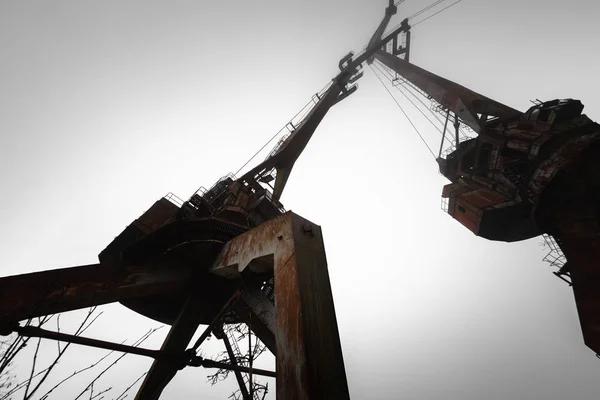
{"x":308,"y":229}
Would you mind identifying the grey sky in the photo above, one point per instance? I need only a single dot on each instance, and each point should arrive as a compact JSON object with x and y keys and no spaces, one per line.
{"x":107,"y":106}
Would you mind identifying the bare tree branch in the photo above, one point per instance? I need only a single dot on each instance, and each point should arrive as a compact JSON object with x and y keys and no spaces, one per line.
{"x":92,"y":310}
{"x":82,"y":327}
{"x":75,"y":373}
{"x":20,"y":386}
{"x":100,"y":393}
{"x":18,"y":344}
{"x":124,"y":394}
{"x":32,"y":373}
{"x":36,"y":379}
{"x":58,"y":330}
{"x":138,"y":342}
{"x":237,"y":333}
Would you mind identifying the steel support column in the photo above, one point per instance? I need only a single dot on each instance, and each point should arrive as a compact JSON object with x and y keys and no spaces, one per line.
{"x":163,"y":371}
{"x":309,"y":356}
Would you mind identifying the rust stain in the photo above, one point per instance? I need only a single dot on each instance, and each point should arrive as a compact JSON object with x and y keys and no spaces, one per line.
{"x":257,"y":242}
{"x":291,"y":369}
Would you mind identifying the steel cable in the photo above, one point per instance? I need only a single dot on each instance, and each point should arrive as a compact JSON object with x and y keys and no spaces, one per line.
{"x":429,"y":7}
{"x":436,"y":13}
{"x":414,"y":105}
{"x":403,"y":112}
{"x":418,"y":95}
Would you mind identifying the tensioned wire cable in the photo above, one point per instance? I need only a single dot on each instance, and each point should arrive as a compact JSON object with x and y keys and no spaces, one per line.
{"x":403,"y":112}
{"x":418,"y":108}
{"x":436,"y":13}
{"x":418,"y":96}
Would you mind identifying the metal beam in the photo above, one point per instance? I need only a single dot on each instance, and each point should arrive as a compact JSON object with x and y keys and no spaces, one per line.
{"x":180,"y":359}
{"x":233,"y":361}
{"x":55,"y":291}
{"x":34,"y":331}
{"x":309,"y":356}
{"x":460,"y":100}
{"x":216,"y":364}
{"x":390,"y":11}
{"x":257,"y":311}
{"x":163,"y":371}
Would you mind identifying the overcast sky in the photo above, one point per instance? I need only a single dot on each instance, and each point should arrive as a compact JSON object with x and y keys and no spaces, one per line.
{"x":107,"y":106}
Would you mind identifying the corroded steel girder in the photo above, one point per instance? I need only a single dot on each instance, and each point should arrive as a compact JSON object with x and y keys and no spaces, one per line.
{"x":309,"y":356}
{"x":462,"y":101}
{"x":55,"y":291}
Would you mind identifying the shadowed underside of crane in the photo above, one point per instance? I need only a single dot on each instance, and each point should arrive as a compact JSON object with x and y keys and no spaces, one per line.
{"x":522,"y":174}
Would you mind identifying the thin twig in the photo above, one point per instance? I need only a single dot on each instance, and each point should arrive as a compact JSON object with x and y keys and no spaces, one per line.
{"x":101,"y":393}
{"x":45,"y":396}
{"x":135,"y":344}
{"x":20,"y":386}
{"x":124,"y":394}
{"x":79,"y":330}
{"x":32,"y":373}
{"x":58,"y":330}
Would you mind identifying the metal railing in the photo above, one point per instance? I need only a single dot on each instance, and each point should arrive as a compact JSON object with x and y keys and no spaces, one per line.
{"x":297,"y":120}
{"x":276,"y":203}
{"x":174,"y":199}
{"x":445,"y":204}
{"x":556,"y":258}
{"x":279,"y":144}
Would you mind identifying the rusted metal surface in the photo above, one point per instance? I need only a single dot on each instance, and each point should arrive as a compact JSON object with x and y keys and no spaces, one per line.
{"x":305,"y":318}
{"x":263,"y":241}
{"x":309,"y":356}
{"x":49,"y":292}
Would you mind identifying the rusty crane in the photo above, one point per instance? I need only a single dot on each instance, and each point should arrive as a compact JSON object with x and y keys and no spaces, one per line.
{"x":232,"y":253}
